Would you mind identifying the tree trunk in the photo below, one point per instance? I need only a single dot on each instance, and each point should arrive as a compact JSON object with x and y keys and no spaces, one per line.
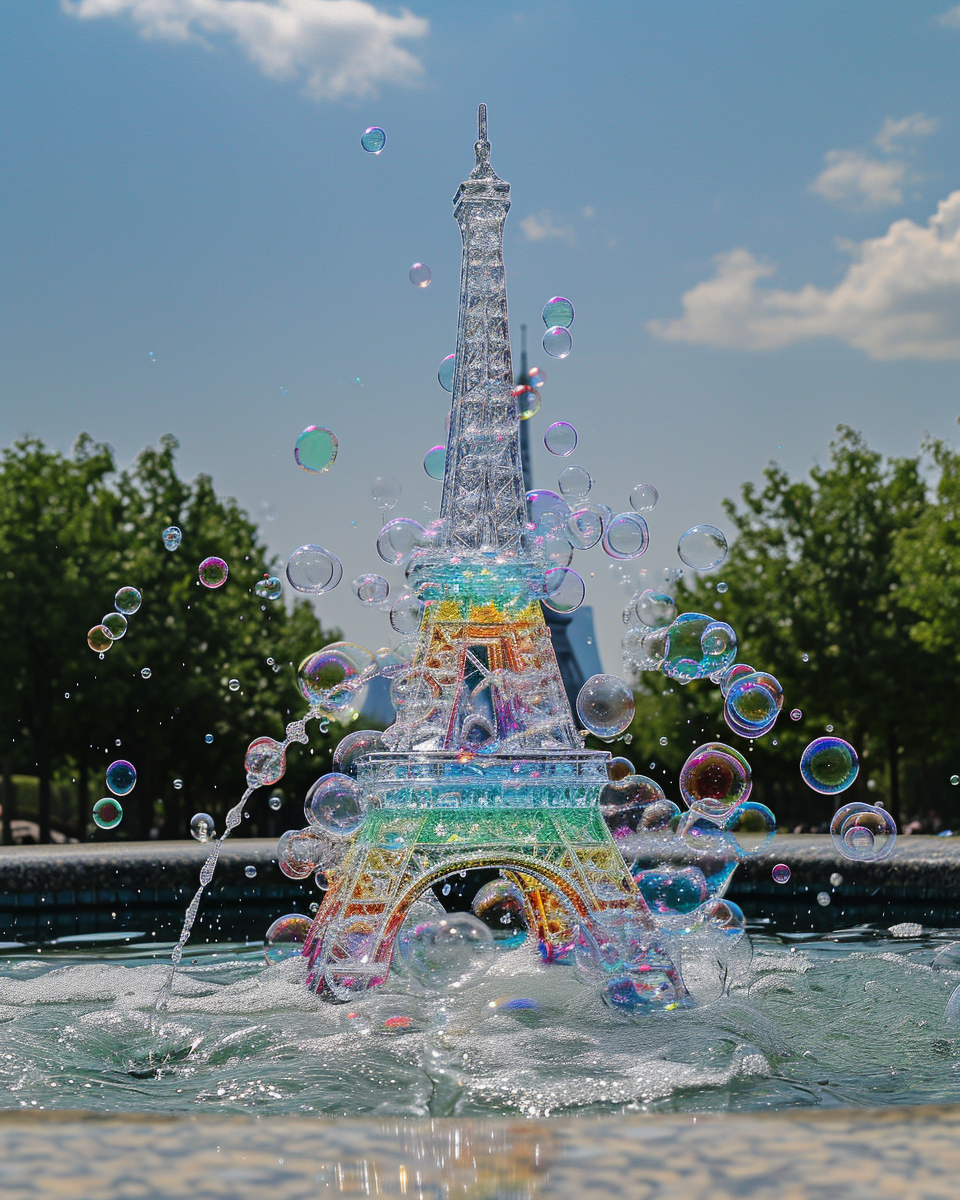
{"x":83,"y":796}
{"x":9,"y":803}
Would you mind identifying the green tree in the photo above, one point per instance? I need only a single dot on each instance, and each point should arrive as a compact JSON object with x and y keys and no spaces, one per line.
{"x":74,"y":531}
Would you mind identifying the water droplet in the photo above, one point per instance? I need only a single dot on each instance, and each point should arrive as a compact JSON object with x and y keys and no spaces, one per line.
{"x":171,"y":537}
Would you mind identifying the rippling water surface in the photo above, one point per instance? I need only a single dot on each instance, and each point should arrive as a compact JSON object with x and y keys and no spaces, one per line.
{"x":858,"y":1020}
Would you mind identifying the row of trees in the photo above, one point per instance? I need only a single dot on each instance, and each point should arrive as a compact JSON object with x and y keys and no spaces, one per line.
{"x":74,"y":529}
{"x":846,"y":586}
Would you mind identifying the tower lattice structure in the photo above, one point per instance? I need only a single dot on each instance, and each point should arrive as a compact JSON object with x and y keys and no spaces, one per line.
{"x":484,"y":766}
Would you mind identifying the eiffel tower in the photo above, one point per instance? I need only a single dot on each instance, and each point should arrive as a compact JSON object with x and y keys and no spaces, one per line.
{"x":484,"y":766}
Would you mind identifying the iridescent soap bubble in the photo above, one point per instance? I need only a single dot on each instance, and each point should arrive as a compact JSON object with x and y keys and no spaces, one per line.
{"x":127,"y":601}
{"x":250,"y":871}
{"x":753,"y":826}
{"x":697,"y":646}
{"x":863,"y":832}
{"x":702,"y":547}
{"x":667,"y":890}
{"x":500,"y":906}
{"x":655,"y":609}
{"x":145,"y":672}
{"x":316,"y":449}
{"x":275,"y":803}
{"x":753,"y":703}
{"x":373,"y":139}
{"x":565,"y":590}
{"x":335,"y":804}
{"x":715,"y":779}
{"x":264,"y":762}
{"x":107,"y":813}
{"x":619,"y":768}
{"x":233,"y":685}
{"x":420,"y":275}
{"x":557,"y":342}
{"x":823,"y":899}
{"x":527,"y":400}
{"x":445,"y":372}
{"x":171,"y":537}
{"x":371,"y":589}
{"x":558,"y":311}
{"x":208,"y":738}
{"x":285,"y":937}
{"x":542,"y":501}
{"x":121,"y":777}
{"x":829,"y":765}
{"x":723,"y":916}
{"x":399,"y":538}
{"x":635,"y":804}
{"x":406,"y":612}
{"x":213,"y":572}
{"x":300,"y":852}
{"x":732,"y":674}
{"x":781,"y":873}
{"x":584,"y":528}
{"x":644,"y":498}
{"x":115,"y":624}
{"x":385,"y":490}
{"x":202,"y":827}
{"x":605,"y":705}
{"x":331,"y":679}
{"x":574,"y":483}
{"x":434,"y":461}
{"x":314,"y":570}
{"x":270,"y":587}
{"x":626,"y":536}
{"x":560,"y":439}
{"x":795,"y":714}
{"x":446,"y":954}
{"x":354,"y":747}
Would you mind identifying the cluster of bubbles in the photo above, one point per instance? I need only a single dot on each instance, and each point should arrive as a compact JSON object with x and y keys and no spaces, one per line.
{"x":114,"y":624}
{"x":558,"y":316}
{"x":121,"y":779}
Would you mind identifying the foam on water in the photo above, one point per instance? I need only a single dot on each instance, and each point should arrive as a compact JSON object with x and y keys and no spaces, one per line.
{"x":823,"y":1023}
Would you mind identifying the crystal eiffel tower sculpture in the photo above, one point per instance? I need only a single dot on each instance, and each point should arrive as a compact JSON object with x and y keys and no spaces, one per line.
{"x":484,"y":766}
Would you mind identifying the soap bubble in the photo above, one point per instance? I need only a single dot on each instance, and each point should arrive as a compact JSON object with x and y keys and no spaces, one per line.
{"x":557,"y":342}
{"x":121,"y":777}
{"x":561,"y":439}
{"x":399,"y":538}
{"x":724,"y":916}
{"x":542,"y":501}
{"x":335,"y":804}
{"x":434,"y":461}
{"x":178,"y":784}
{"x":316,"y":449}
{"x":697,"y":646}
{"x":702,"y":547}
{"x":781,"y":873}
{"x":300,"y":852}
{"x":656,"y":609}
{"x":233,"y":685}
{"x":373,"y":139}
{"x":268,"y":588}
{"x":863,"y":832}
{"x":715,"y":778}
{"x":652,"y":987}
{"x":527,"y":400}
{"x":314,"y":570}
{"x":584,"y":528}
{"x":619,"y":768}
{"x":420,"y":275}
{"x":208,"y":738}
{"x":385,"y":489}
{"x":626,"y":536}
{"x":565,"y":590}
{"x":405,"y":613}
{"x":99,"y":639}
{"x":107,"y":813}
{"x":667,"y":890}
{"x":213,"y":572}
{"x":829,"y":765}
{"x":635,"y":804}
{"x":275,"y":803}
{"x":264,"y":762}
{"x":371,"y":589}
{"x":753,"y":704}
{"x":202,"y":827}
{"x":605,"y":705}
{"x":644,"y":498}
{"x":796,"y":714}
{"x":445,"y":372}
{"x":574,"y":482}
{"x":115,"y":624}
{"x":145,"y":672}
{"x":558,"y":312}
{"x":536,"y":377}
{"x":447,"y":954}
{"x":823,"y":899}
{"x":499,"y":905}
{"x":331,"y":679}
{"x":285,"y":937}
{"x":127,"y":601}
{"x":753,"y":827}
{"x":354,"y":747}
{"x":731,"y":674}
{"x":171,"y":537}
{"x":836,"y":879}
{"x":250,"y":871}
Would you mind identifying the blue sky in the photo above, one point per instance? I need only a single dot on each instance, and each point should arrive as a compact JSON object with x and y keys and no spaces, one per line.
{"x":755,"y":209}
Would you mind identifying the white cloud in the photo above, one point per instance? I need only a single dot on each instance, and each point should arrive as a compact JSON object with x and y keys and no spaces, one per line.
{"x":857,"y":181}
{"x":893,"y":132}
{"x":951,"y":18}
{"x":337,"y":47}
{"x":542,"y":225}
{"x":900,"y":298}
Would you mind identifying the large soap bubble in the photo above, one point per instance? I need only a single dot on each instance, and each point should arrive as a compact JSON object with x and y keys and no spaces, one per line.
{"x":121,"y":777}
{"x":702,"y":547}
{"x":565,"y":590}
{"x":354,"y":747}
{"x":264,"y":762}
{"x":399,"y":538}
{"x":171,"y":537}
{"x":557,"y":341}
{"x":584,"y":528}
{"x":385,"y":489}
{"x":574,"y":483}
{"x":300,"y":852}
{"x":127,"y":600}
{"x":715,"y":779}
{"x":331,"y":678}
{"x":314,"y":570}
{"x":561,"y":439}
{"x":697,"y":646}
{"x":373,"y":139}
{"x":669,"y":890}
{"x":626,"y":536}
{"x":202,"y":827}
{"x":605,"y":705}
{"x":285,"y":937}
{"x":420,"y":275}
{"x":115,"y":624}
{"x":527,"y":399}
{"x":213,"y":572}
{"x":499,"y":904}
{"x":863,"y":832}
{"x":335,"y":804}
{"x":99,"y":639}
{"x":829,"y":765}
{"x":268,"y":588}
{"x":753,"y":826}
{"x":558,"y":311}
{"x":753,"y":703}
{"x":316,"y":449}
{"x":644,"y":497}
{"x":107,"y":813}
{"x":636,"y":805}
{"x":445,"y":372}
{"x":447,"y":954}
{"x":435,"y":461}
{"x":656,"y":609}
{"x":371,"y":589}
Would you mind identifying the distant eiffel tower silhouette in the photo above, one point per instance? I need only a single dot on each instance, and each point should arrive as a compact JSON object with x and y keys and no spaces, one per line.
{"x":485,"y":766}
